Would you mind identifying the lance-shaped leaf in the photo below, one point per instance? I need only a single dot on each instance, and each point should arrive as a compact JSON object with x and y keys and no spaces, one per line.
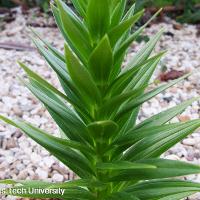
{"x":39,"y":79}
{"x":123,"y":165}
{"x":98,"y":18}
{"x":121,"y":50}
{"x":44,"y":83}
{"x":134,"y":135}
{"x":167,"y":115}
{"x":60,"y":68}
{"x":81,"y":77}
{"x":81,"y":6}
{"x":66,"y":119}
{"x":178,"y":196}
{"x":129,"y":122}
{"x":118,"y":13}
{"x":122,"y":195}
{"x":145,"y":97}
{"x":57,"y":53}
{"x":75,"y":31}
{"x":68,"y":184}
{"x":56,"y":146}
{"x":58,"y":20}
{"x":111,"y":106}
{"x":143,"y":76}
{"x":100,"y":62}
{"x":122,"y":81}
{"x":119,"y":61}
{"x":102,"y":132}
{"x":71,"y":190}
{"x":159,"y":142}
{"x":117,"y":32}
{"x":163,"y":189}
{"x":129,"y":13}
{"x":163,"y":169}
{"x":71,"y":193}
{"x":145,"y":52}
{"x":102,"y":129}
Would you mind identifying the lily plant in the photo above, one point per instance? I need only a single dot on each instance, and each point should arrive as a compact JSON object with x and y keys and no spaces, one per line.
{"x":113,"y":156}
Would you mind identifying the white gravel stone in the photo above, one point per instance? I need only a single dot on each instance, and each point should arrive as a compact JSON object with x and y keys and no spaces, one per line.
{"x":48,"y":161}
{"x":42,"y":173}
{"x":172,"y":157}
{"x":57,"y":178}
{"x":189,"y":141}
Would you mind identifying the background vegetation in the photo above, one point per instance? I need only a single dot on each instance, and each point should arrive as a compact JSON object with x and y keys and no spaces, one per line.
{"x":189,"y":13}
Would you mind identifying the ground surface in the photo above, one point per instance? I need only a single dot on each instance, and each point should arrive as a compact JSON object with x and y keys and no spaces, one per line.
{"x":21,"y":158}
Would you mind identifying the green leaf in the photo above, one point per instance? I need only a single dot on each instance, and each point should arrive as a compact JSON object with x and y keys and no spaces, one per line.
{"x":121,"y":50}
{"x":58,"y":54}
{"x":143,"y":75}
{"x":81,"y":6}
{"x":100,"y":62}
{"x":118,"y":13}
{"x":164,"y":169}
{"x":75,"y":31}
{"x":167,"y":115}
{"x":82,"y":78}
{"x":125,"y":35}
{"x":60,"y":68}
{"x":102,"y":129}
{"x":111,"y":106}
{"x":123,"y":165}
{"x":145,"y":97}
{"x":68,"y":184}
{"x":65,"y":117}
{"x":58,"y":20}
{"x":80,"y":182}
{"x":129,"y":13}
{"x":102,"y":133}
{"x":145,"y":52}
{"x":121,"y":82}
{"x":61,"y":28}
{"x":44,"y":83}
{"x":73,"y":193}
{"x":161,"y":140}
{"x":58,"y":147}
{"x":117,"y":32}
{"x":163,"y":189}
{"x":129,"y":122}
{"x":98,"y":18}
{"x":39,"y":79}
{"x":122,"y":195}
{"x":177,"y":196}
{"x":134,"y":135}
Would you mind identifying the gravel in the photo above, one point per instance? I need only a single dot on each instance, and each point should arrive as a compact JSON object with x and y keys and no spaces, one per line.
{"x":22,"y":158}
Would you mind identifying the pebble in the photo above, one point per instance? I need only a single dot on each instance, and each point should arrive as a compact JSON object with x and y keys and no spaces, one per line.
{"x":41,"y":173}
{"x":172,"y":157}
{"x":48,"y":161}
{"x":189,"y":141}
{"x":10,"y":143}
{"x":22,"y":175}
{"x":57,"y":178}
{"x":184,"y":118}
